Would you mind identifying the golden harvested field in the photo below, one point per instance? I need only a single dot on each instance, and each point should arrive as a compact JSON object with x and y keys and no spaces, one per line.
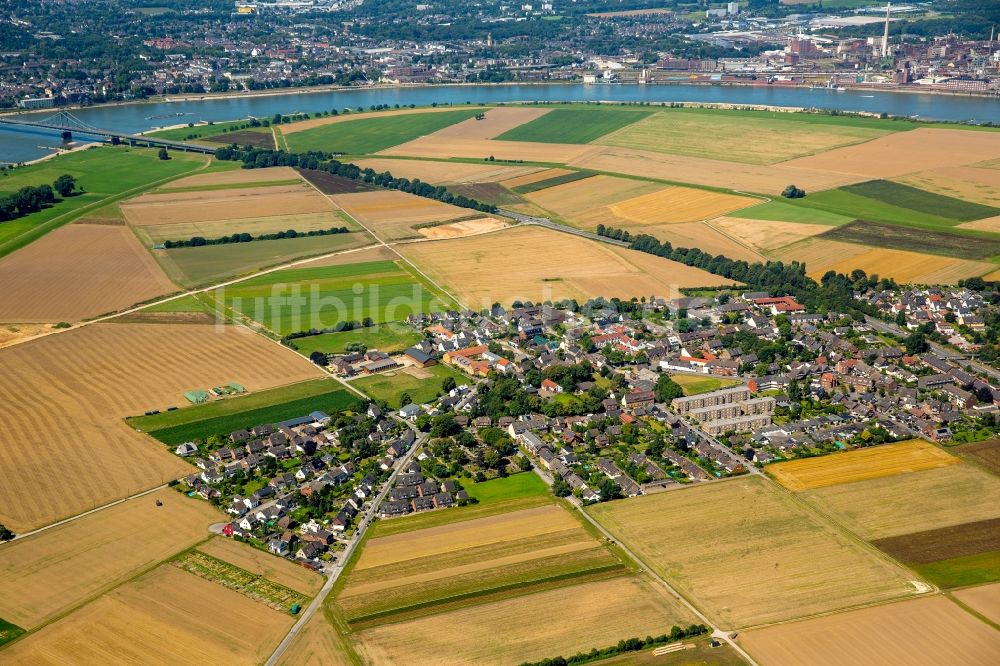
{"x":576,"y":198}
{"x":48,"y":573}
{"x":679,"y":204}
{"x":496,"y":122}
{"x":963,"y":182}
{"x":986,"y":224}
{"x":167,"y":616}
{"x":437,"y":563}
{"x":234,"y":177}
{"x":85,"y":381}
{"x":433,"y":146}
{"x":915,"y":502}
{"x":250,"y":225}
{"x":78,"y":271}
{"x":231,"y":204}
{"x":300,"y":126}
{"x":531,"y":263}
{"x":905,"y":152}
{"x":391,"y":214}
{"x":715,"y":173}
{"x":747,"y":553}
{"x":705,"y":237}
{"x":764,"y":234}
{"x":317,"y":644}
{"x":546,"y":624}
{"x":984,"y":599}
{"x":534,"y":177}
{"x":920,"y":632}
{"x":276,"y":569}
{"x":480,"y":225}
{"x":735,"y":138}
{"x":860,"y":464}
{"x":446,"y":173}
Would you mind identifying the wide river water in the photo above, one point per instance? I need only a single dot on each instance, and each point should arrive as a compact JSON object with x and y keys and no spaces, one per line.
{"x":17,"y":145}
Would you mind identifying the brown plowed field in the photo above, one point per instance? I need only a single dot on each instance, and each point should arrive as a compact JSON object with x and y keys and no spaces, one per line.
{"x":328,"y":183}
{"x":945,"y":543}
{"x":985,"y":453}
{"x":78,"y":271}
{"x":923,"y":632}
{"x":64,"y":396}
{"x":905,"y":152}
{"x":167,"y":616}
{"x":48,"y":573}
{"x":496,"y":122}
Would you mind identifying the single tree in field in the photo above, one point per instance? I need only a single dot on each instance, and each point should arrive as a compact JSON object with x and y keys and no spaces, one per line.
{"x":318,"y":357}
{"x":448,"y":384}
{"x":5,"y":534}
{"x":405,"y":400}
{"x":163,"y":154}
{"x":64,"y":185}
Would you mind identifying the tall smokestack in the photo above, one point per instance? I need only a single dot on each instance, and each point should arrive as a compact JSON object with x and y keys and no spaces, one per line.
{"x":885,"y":35}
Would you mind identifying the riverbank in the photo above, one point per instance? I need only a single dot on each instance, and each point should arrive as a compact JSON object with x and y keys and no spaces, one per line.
{"x":57,"y":153}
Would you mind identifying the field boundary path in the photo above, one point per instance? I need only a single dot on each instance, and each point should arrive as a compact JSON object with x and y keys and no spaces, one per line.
{"x":555,"y":226}
{"x":717,"y":632}
{"x":366,"y":521}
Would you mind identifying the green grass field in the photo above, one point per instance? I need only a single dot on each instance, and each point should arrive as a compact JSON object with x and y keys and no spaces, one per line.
{"x":386,"y":338}
{"x":300,"y":299}
{"x":551,"y":182}
{"x":963,"y":245}
{"x":515,"y":486}
{"x":392,"y":385}
{"x":182,"y":304}
{"x":858,"y":207}
{"x":580,"y":125}
{"x":915,"y":199}
{"x":197,"y":266}
{"x":780,"y":211}
{"x":694,"y":385}
{"x":106,"y":174}
{"x":8,"y":631}
{"x":370,"y":135}
{"x":962,"y":571}
{"x":221,"y":417}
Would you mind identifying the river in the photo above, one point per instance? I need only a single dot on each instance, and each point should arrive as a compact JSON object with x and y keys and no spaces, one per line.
{"x":18,"y":145}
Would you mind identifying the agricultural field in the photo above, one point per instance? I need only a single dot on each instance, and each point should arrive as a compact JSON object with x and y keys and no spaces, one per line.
{"x":986,"y":454}
{"x":106,"y":175}
{"x":537,"y":175}
{"x":894,"y":237}
{"x":678,"y":204}
{"x":447,"y":173}
{"x":574,"y":125}
{"x":388,"y":338}
{"x":706,"y":237}
{"x":901,"y":153}
{"x":300,"y":299}
{"x":765,"y":235}
{"x":968,"y":183}
{"x":246,"y":411}
{"x":914,"y":199}
{"x":235,"y":177}
{"x":719,"y":532}
{"x":208,"y":131}
{"x":436,"y":147}
{"x":590,"y":615}
{"x":694,"y":385}
{"x":301,"y":222}
{"x":788,"y":211}
{"x":572,"y":198}
{"x":984,"y":599}
{"x":562,"y":177}
{"x":919,"y":632}
{"x":329,"y":183}
{"x":362,"y":135}
{"x":497,"y":121}
{"x":165,"y":616}
{"x":955,"y":556}
{"x":421,"y":384}
{"x":317,"y":644}
{"x":517,"y":264}
{"x":860,"y":464}
{"x":261,"y":563}
{"x":249,"y":584}
{"x":461,"y":228}
{"x":45,"y":575}
{"x":392,"y":215}
{"x":912,"y":502}
{"x":86,"y":381}
{"x":76,"y":272}
{"x":741,"y":136}
{"x":445,"y":567}
{"x":198,"y":266}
